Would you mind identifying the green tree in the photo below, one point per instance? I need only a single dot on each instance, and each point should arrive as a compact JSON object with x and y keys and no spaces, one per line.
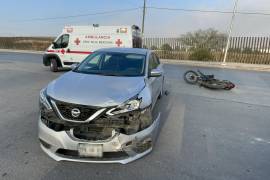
{"x":209,"y":38}
{"x":202,"y":42}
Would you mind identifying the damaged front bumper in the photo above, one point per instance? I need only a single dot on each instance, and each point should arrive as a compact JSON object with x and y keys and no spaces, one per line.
{"x":119,"y":148}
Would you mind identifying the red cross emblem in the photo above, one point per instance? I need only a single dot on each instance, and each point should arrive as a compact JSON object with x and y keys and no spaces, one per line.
{"x":77,"y":41}
{"x":118,"y":42}
{"x":62,"y":51}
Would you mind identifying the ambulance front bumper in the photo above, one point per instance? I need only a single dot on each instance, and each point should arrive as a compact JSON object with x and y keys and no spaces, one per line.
{"x":121,"y":148}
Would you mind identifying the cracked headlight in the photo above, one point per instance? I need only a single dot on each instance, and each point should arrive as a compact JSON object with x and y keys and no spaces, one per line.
{"x":43,"y":99}
{"x":128,"y":106}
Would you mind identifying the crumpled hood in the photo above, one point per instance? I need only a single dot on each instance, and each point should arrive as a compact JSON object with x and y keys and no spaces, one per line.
{"x":94,"y":90}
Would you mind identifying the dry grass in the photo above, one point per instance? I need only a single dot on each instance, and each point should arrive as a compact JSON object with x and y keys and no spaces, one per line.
{"x":25,"y":43}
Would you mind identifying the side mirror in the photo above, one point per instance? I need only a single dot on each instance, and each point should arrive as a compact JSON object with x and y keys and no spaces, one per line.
{"x":155,"y":73}
{"x":73,"y":66}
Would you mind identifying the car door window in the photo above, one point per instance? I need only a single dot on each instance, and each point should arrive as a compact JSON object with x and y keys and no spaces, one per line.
{"x":157,"y":59}
{"x":65,"y":41}
{"x":152,"y":63}
{"x":57,"y":43}
{"x":61,"y":42}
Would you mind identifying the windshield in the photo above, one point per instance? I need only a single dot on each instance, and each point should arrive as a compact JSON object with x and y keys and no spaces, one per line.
{"x":113,"y":64}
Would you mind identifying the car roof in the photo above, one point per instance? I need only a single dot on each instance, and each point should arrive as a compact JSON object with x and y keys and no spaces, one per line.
{"x":125,"y":50}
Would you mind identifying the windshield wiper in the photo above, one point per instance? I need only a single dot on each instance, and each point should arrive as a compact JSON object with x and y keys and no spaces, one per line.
{"x":107,"y":74}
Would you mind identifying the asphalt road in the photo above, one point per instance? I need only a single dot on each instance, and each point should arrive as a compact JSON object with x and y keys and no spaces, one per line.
{"x":205,"y":134}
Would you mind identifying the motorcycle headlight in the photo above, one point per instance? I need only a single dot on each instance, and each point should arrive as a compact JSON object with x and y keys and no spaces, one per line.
{"x":43,"y":99}
{"x":128,"y":106}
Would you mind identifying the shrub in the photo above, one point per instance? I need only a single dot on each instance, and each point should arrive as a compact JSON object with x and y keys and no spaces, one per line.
{"x":166,"y":47}
{"x":145,"y":47}
{"x":248,"y":50}
{"x":201,"y":54}
{"x":154,"y":47}
{"x":177,"y":48}
{"x":234,"y":50}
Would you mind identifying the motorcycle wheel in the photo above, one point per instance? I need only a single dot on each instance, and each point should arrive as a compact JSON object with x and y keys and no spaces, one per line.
{"x":191,"y":77}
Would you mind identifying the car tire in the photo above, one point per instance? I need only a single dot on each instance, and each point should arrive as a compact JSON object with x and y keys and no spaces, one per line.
{"x":53,"y":65}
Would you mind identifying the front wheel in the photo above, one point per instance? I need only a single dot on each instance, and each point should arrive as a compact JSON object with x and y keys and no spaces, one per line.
{"x":191,"y":77}
{"x":53,"y":65}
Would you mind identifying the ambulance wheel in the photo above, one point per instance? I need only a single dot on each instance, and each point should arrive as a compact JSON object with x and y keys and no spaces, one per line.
{"x":53,"y":65}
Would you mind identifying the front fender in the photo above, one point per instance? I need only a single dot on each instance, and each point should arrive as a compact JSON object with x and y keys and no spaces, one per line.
{"x":47,"y":58}
{"x":146,"y":97}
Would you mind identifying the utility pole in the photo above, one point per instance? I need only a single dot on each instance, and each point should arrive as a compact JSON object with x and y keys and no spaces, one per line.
{"x":143,"y":18}
{"x":230,"y":32}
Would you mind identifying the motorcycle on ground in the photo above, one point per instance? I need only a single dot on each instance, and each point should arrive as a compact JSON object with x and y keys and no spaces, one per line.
{"x":208,"y":81}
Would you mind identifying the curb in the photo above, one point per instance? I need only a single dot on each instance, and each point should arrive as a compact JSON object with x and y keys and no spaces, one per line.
{"x":229,"y":65}
{"x":21,"y":51}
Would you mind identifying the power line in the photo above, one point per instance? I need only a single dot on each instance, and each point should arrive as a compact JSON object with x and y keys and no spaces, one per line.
{"x":82,"y":15}
{"x":209,"y":11}
{"x":252,"y":13}
{"x":149,"y":7}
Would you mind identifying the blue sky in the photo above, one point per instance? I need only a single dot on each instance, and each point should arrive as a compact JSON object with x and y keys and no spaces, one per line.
{"x":15,"y":13}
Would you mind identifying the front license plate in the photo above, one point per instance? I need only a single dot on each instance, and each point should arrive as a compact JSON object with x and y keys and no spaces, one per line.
{"x":90,"y":150}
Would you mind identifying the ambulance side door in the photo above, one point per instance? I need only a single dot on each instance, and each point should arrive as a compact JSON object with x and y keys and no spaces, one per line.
{"x":60,"y":47}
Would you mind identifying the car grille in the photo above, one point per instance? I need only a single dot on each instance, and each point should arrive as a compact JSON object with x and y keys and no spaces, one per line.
{"x":66,"y":108}
{"x":92,"y":133}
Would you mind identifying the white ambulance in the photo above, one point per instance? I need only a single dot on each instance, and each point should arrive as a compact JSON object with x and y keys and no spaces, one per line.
{"x":76,"y":42}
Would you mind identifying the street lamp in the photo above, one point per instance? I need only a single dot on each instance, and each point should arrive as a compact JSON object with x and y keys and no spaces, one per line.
{"x":143,"y":18}
{"x":230,"y":33}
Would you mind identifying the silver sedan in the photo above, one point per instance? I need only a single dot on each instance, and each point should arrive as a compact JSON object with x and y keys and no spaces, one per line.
{"x":102,"y":110}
